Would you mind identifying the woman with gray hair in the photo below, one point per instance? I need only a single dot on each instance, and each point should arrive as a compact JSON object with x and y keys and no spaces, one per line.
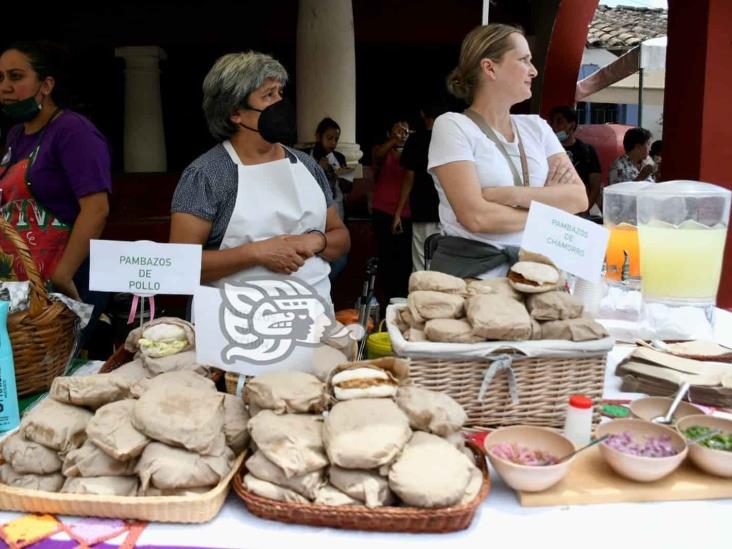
{"x":256,"y":205}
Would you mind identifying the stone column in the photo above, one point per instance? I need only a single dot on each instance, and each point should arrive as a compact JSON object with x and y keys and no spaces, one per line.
{"x":144,"y":135}
{"x":326,"y":71}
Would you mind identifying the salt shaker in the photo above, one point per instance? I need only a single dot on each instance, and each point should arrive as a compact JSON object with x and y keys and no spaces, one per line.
{"x":578,"y":422}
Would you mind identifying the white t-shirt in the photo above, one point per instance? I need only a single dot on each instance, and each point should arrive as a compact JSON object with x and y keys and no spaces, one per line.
{"x":455,"y":137}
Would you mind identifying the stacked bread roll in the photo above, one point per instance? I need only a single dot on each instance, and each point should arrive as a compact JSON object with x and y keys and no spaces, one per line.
{"x":530,"y":303}
{"x":381,"y":442}
{"x":154,"y":426}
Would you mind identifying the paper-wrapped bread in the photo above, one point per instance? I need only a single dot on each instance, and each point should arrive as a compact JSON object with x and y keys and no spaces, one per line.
{"x":532,"y":277}
{"x":46,"y":483}
{"x":112,"y":431}
{"x":330,"y":495}
{"x":425,"y":305}
{"x":180,"y":416}
{"x":554,"y":305}
{"x":306,"y":485}
{"x":92,"y":391}
{"x":325,"y":359}
{"x":132,"y":372}
{"x":365,"y":433}
{"x":430,"y":472}
{"x":498,"y":317}
{"x":236,"y":418}
{"x":175,"y":363}
{"x":366,"y":486}
{"x":56,"y":425}
{"x":184,"y":378}
{"x":431,"y":411}
{"x":575,"y":329}
{"x":436,"y":282}
{"x":169,"y":468}
{"x":499,"y":286}
{"x":292,"y":442}
{"x":162,"y":337}
{"x":286,"y":392}
{"x":271,"y":491}
{"x":450,"y":330}
{"x":101,"y":486}
{"x":91,"y":461}
{"x":27,"y":456}
{"x":377,"y":378}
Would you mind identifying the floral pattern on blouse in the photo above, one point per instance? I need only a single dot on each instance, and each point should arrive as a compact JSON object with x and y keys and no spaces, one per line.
{"x":623,"y":169}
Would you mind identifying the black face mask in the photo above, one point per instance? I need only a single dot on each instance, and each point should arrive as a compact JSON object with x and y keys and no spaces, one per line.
{"x":276,"y":123}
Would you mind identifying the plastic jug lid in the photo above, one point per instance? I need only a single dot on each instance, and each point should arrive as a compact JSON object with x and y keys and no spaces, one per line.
{"x":629,"y":188}
{"x":686,"y":188}
{"x":580,"y":401}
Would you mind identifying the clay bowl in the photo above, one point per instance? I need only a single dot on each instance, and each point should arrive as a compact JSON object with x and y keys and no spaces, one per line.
{"x":530,"y":478}
{"x":649,"y":407}
{"x":640,"y":468}
{"x":709,"y":460}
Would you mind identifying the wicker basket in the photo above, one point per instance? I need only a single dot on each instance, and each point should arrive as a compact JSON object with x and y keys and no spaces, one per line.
{"x":184,"y":509}
{"x":357,"y":517}
{"x":543,"y":381}
{"x":43,"y":337}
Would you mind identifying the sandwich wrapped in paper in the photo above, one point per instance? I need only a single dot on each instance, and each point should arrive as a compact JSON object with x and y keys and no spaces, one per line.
{"x":185,"y":360}
{"x":286,"y":392}
{"x":56,"y":425}
{"x":236,"y":417}
{"x":430,"y":472}
{"x":101,"y":486}
{"x":112,"y":431}
{"x":367,"y":487}
{"x":46,"y":483}
{"x":27,"y":456}
{"x":330,"y":495}
{"x":162,"y":337}
{"x":91,"y":461}
{"x":306,"y":485}
{"x":575,"y":329}
{"x":292,"y":442}
{"x":497,"y":317}
{"x":450,"y":330}
{"x":531,"y":277}
{"x":132,"y":372}
{"x":183,"y":378}
{"x":271,"y":491}
{"x":184,"y":417}
{"x":426,"y":305}
{"x":431,"y":411}
{"x":553,"y":305}
{"x":436,"y":282}
{"x":169,"y":468}
{"x":92,"y":391}
{"x":325,"y":359}
{"x":499,"y":286}
{"x":365,"y":433}
{"x":378,"y":378}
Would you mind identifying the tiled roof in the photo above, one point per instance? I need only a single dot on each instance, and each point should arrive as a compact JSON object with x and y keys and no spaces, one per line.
{"x":623,"y":27}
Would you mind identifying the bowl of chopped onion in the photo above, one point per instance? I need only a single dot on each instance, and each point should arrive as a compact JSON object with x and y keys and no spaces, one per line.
{"x":641,"y":450}
{"x":527,"y":457}
{"x":711,"y":454}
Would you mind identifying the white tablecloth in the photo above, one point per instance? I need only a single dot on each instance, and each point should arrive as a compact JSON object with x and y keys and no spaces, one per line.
{"x":500,"y":519}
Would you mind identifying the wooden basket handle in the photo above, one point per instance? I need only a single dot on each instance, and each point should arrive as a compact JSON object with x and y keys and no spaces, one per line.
{"x":38,"y":295}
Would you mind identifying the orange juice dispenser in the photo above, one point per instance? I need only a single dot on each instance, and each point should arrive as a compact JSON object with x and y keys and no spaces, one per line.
{"x":619,"y":215}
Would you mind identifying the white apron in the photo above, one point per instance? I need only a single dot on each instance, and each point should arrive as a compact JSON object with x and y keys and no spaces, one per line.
{"x":273,"y":199}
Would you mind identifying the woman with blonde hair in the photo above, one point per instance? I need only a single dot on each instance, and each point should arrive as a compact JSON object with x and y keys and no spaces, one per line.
{"x":489,"y":165}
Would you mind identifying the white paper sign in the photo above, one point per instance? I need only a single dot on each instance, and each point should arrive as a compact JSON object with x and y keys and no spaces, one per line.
{"x":574,"y":244}
{"x":144,"y":268}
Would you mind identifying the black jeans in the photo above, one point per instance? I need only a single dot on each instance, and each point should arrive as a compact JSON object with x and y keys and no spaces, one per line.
{"x":395,"y":255}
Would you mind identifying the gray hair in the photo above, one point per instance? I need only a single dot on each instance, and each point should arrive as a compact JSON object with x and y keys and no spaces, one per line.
{"x":229,"y":83}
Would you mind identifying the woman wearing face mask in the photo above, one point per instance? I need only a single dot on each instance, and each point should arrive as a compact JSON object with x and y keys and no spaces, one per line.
{"x":489,"y":165}
{"x":55,"y":173}
{"x":257,"y":206}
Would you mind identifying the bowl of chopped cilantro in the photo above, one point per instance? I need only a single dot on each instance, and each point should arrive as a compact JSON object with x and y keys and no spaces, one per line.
{"x":713,"y":454}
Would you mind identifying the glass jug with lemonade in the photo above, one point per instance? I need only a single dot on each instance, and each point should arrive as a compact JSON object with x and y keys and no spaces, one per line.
{"x":683,"y":228}
{"x":620,"y":218}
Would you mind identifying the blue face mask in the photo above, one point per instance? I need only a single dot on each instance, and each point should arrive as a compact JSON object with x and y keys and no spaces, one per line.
{"x":562,"y":136}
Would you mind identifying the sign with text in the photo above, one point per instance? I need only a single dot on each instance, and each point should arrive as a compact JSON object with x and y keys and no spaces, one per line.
{"x":574,"y":244}
{"x":144,"y":268}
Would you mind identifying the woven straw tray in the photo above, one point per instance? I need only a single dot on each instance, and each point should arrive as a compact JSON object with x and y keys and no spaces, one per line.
{"x":359,"y":517}
{"x":184,"y":509}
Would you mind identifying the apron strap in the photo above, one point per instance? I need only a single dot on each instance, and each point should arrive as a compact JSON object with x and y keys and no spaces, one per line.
{"x":490,"y":134}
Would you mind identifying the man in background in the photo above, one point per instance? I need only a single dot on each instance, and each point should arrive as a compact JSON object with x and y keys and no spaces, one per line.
{"x":563,"y":121}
